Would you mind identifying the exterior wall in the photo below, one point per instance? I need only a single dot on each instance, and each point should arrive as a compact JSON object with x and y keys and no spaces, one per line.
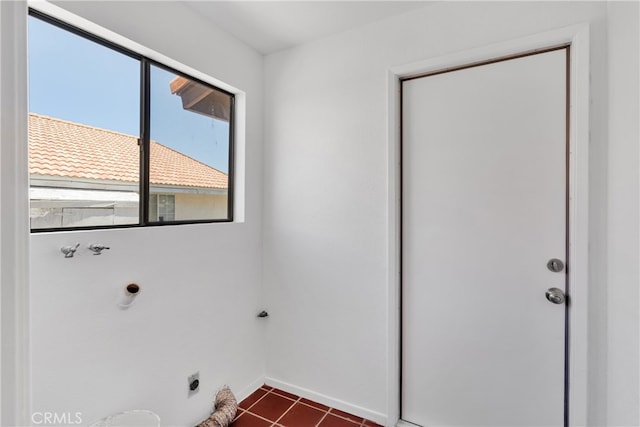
{"x":83,"y":213}
{"x":68,"y":207}
{"x":200,"y":206}
{"x":326,"y":198}
{"x":200,"y":284}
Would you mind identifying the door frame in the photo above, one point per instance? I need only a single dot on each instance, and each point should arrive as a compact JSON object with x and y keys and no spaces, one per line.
{"x":577,"y":37}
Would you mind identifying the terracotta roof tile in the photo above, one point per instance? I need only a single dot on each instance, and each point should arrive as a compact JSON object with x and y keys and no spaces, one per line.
{"x":66,"y":149}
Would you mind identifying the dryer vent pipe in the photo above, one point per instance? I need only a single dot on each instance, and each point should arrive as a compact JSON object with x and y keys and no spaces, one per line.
{"x":225,"y":407}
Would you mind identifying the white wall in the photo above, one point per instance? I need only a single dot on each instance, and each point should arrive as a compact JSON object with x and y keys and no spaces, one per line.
{"x":624,"y":120}
{"x":325,"y":226}
{"x":326,"y":199}
{"x":14,"y":217}
{"x":201,"y":284}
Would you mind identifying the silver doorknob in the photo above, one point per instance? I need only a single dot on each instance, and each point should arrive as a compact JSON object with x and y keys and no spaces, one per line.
{"x":555,"y":296}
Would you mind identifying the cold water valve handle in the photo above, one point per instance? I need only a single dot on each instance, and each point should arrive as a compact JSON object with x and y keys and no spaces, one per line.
{"x":69,"y":251}
{"x":97,"y":249}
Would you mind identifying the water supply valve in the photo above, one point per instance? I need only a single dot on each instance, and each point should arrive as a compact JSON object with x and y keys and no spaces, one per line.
{"x":69,"y":251}
{"x":97,"y":248}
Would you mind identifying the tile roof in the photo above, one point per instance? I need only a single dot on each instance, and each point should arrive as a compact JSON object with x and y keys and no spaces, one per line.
{"x":65,"y":149}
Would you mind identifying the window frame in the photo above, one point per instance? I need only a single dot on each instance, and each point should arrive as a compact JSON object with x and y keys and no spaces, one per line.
{"x":144,"y":136}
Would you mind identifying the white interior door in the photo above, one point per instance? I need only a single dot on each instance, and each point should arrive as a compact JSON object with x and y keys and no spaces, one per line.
{"x":484,"y":210}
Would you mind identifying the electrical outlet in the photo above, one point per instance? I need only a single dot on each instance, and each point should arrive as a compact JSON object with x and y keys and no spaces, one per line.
{"x":193,"y":381}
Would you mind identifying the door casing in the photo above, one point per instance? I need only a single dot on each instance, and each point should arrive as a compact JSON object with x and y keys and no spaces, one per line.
{"x":577,"y":37}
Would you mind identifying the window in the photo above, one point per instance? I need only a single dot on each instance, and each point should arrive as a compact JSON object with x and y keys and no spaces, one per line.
{"x":162,"y":207}
{"x":119,"y":140}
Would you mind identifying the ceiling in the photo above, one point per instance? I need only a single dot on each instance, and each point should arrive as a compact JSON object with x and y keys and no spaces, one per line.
{"x":270,"y":26}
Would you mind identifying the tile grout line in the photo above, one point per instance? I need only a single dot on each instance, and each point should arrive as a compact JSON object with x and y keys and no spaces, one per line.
{"x":315,"y":407}
{"x":285,"y":412}
{"x":298,"y":400}
{"x":254,"y":403}
{"x":323,"y":417}
{"x":260,"y":417}
{"x":328,"y":410}
{"x":261,"y":397}
{"x":347,"y":419}
{"x":239,"y":411}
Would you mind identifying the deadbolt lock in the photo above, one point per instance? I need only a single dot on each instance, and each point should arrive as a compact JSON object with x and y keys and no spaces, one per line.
{"x":555,"y":265}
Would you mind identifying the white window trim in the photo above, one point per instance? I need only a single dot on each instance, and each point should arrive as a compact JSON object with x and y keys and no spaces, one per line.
{"x":15,"y":359}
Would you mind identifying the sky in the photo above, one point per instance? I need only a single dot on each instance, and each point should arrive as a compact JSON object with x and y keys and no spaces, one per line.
{"x":75,"y":79}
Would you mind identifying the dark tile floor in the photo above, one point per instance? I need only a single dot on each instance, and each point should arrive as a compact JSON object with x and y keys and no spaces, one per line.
{"x":269,"y":406}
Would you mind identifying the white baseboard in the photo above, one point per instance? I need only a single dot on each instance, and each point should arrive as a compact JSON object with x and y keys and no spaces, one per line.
{"x":253,"y":386}
{"x":377,"y":417}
